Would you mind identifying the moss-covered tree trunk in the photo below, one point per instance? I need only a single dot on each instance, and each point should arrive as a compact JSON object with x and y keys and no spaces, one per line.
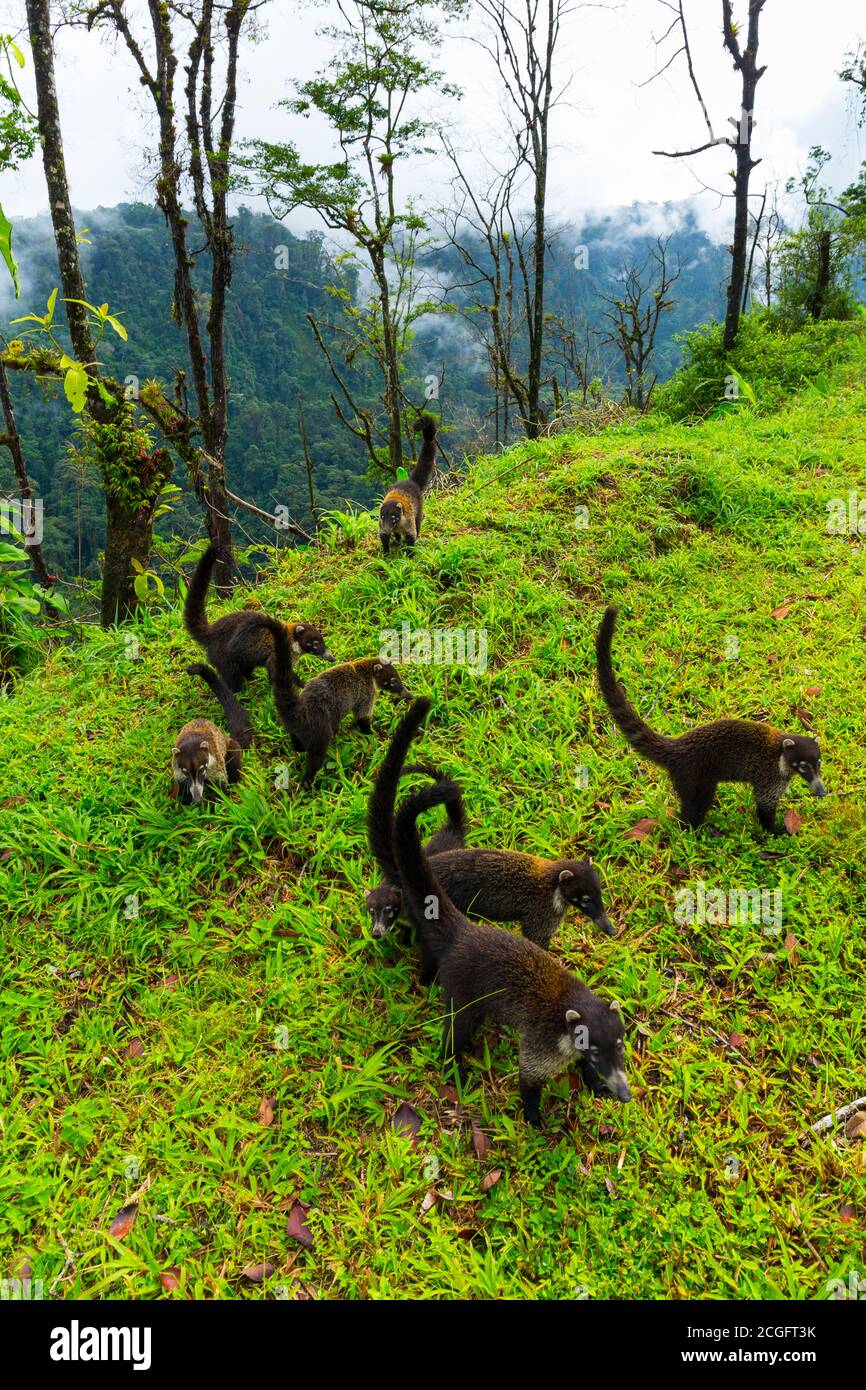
{"x":128,"y":525}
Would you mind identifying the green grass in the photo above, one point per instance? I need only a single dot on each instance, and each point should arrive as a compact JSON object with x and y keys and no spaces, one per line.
{"x":249,"y":971}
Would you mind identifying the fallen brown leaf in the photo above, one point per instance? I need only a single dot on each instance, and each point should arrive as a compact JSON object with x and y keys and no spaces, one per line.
{"x":480,"y":1142}
{"x":407,"y":1122}
{"x":805,"y":717}
{"x":642,"y":829}
{"x":856,"y":1126}
{"x":266,"y":1110}
{"x":793,"y":821}
{"x":134,"y":1048}
{"x":170,"y":1279}
{"x":124,"y":1221}
{"x":297,"y":1227}
{"x":790,"y":944}
{"x":782,"y":612}
{"x":490,"y":1179}
{"x":257,"y":1273}
{"x":812,"y":690}
{"x":736,"y":1040}
{"x":848,"y":1212}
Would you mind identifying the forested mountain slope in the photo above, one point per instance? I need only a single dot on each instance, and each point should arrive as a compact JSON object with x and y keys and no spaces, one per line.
{"x":199,"y":1021}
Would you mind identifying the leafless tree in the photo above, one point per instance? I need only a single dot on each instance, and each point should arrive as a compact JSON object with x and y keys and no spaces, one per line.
{"x":522,"y":39}
{"x":195,"y":160}
{"x":634,"y":316}
{"x":745,"y":61}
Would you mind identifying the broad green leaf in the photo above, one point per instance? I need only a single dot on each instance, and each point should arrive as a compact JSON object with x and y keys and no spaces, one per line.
{"x":52,"y":300}
{"x":118,"y":327}
{"x":6,"y":252}
{"x":11,"y":552}
{"x":75,"y":386}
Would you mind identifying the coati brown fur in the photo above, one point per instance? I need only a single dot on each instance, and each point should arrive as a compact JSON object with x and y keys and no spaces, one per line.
{"x":402,"y":508}
{"x":384,"y":902}
{"x":313,"y":716}
{"x":728,"y":750}
{"x":237,"y":644}
{"x":486,"y":972}
{"x":202,"y":757}
{"x":498,"y":884}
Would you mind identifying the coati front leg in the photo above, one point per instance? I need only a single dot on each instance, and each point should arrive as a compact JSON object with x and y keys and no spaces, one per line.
{"x":234,"y":762}
{"x":363,"y":714}
{"x":530,"y":1094}
{"x":766,"y":804}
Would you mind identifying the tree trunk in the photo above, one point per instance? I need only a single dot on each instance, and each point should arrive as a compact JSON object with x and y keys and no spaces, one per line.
{"x":822,"y":279}
{"x":12,"y":441}
{"x":740,"y":248}
{"x":127,"y":537}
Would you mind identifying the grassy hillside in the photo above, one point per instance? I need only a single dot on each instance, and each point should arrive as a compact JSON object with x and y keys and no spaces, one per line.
{"x":165,"y":970}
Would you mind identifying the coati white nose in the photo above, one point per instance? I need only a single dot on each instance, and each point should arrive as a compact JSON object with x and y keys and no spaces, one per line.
{"x":818,"y":787}
{"x":618,"y":1083}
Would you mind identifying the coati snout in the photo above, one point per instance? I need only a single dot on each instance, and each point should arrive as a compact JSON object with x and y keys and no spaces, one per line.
{"x":803,"y":757}
{"x":386,"y":677}
{"x":580,"y":887}
{"x":195,"y":762}
{"x":307,"y":640}
{"x":384,"y":904}
{"x":390,"y":516}
{"x":598,"y":1038}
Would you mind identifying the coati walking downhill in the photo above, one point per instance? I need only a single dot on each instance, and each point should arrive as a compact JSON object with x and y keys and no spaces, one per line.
{"x":402,"y":507}
{"x":485,"y":972}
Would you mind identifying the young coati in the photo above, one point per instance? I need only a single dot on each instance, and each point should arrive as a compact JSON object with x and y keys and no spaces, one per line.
{"x":486,"y":972}
{"x":402,"y":507}
{"x":237,"y":644}
{"x":499,"y":884}
{"x":203,"y":758}
{"x":313,"y":716}
{"x":384,"y":902}
{"x":728,"y":750}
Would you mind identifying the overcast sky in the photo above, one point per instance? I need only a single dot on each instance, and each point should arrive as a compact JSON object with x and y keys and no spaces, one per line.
{"x":604,"y":135}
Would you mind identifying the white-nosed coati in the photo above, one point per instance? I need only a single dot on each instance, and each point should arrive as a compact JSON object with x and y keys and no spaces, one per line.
{"x":238,"y":643}
{"x":499,"y":884}
{"x":402,"y":506}
{"x":313,"y":716}
{"x":202,"y":757}
{"x":728,"y":750}
{"x":486,"y":972}
{"x":384,"y":902}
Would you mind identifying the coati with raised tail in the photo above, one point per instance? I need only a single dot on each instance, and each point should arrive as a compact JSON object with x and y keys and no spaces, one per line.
{"x":501,"y":885}
{"x":202,"y":757}
{"x":313,"y":716}
{"x":402,"y":507}
{"x":238,"y":644}
{"x":728,"y":750}
{"x":486,"y":972}
{"x":384,"y":902}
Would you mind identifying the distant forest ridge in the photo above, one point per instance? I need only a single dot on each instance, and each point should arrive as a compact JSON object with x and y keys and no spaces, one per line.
{"x":276,"y":366}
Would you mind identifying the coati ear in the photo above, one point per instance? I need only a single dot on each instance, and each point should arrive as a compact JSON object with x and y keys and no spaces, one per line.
{"x":572,"y":1016}
{"x":175,"y":752}
{"x":204,"y":743}
{"x":299,"y":629}
{"x":615,"y":1006}
{"x":787,"y":743}
{"x":377,"y":668}
{"x":565,"y":875}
